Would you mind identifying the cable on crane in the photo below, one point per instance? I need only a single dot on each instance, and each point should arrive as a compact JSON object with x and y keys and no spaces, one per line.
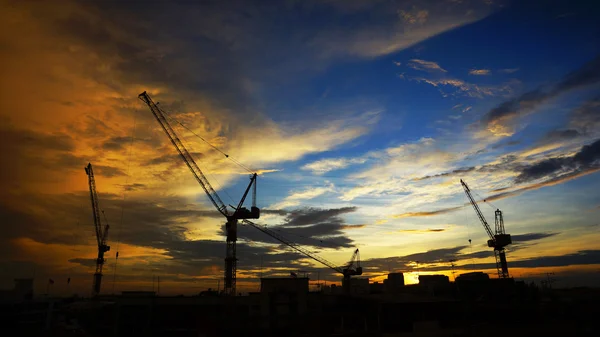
{"x":206,"y":171}
{"x":209,"y":144}
{"x":484,"y":200}
{"x":123,"y":201}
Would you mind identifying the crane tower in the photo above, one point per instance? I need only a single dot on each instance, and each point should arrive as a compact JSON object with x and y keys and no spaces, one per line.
{"x":101,"y":232}
{"x":498,"y":240}
{"x":239,"y":212}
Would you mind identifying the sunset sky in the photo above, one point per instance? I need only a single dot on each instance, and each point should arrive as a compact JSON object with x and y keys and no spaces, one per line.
{"x":360,"y":116}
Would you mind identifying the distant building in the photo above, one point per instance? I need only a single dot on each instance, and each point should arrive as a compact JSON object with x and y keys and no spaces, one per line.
{"x":474,"y":276}
{"x":433,"y":280}
{"x":283,"y":300}
{"x":394,"y":283}
{"x":434,"y":284}
{"x":358,"y":286}
{"x":23,"y":288}
{"x":135,"y":293}
{"x":376,"y":288}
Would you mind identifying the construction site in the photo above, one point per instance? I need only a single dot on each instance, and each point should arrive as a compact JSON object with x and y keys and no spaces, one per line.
{"x":471,"y":304}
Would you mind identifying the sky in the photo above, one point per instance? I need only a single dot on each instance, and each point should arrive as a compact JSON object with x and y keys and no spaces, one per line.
{"x":360,"y":117}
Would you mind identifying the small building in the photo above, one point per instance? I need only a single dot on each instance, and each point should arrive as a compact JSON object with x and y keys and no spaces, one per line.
{"x":358,"y":286}
{"x":283,"y":301}
{"x":394,"y":283}
{"x":376,"y":288}
{"x":432,"y":281}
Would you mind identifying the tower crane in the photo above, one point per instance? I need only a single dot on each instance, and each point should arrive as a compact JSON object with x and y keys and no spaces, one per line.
{"x":498,"y":240}
{"x":351,"y":268}
{"x":239,"y":212}
{"x":101,"y":232}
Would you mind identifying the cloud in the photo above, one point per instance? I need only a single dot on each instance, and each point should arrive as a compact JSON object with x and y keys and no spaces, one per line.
{"x":326,"y":165}
{"x":582,"y":257}
{"x":447,"y":174}
{"x":499,"y":119}
{"x":561,"y":135}
{"x":531,"y":236}
{"x":465,"y":88}
{"x":508,"y":70}
{"x":480,"y":72}
{"x":426,"y":213}
{"x":295,"y":198}
{"x":388,"y":27}
{"x":423,"y":65}
{"x":323,"y":228}
{"x":508,"y":192}
{"x":409,"y":262}
{"x":585,"y":160}
{"x":439,"y":260}
{"x":108,"y":171}
{"x":422,"y":231}
{"x":586,"y":117}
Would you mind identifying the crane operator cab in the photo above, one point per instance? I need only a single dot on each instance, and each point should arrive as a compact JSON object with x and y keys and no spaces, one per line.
{"x":244,"y":213}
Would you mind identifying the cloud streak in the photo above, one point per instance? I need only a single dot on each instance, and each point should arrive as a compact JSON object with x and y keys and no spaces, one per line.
{"x":499,"y":119}
{"x":480,"y":72}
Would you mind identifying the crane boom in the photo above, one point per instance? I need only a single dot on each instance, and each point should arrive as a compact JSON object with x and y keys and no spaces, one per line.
{"x":101,"y":232}
{"x":185,"y":155}
{"x":294,"y":246}
{"x":499,"y":240}
{"x":232,"y":218}
{"x":477,"y":210}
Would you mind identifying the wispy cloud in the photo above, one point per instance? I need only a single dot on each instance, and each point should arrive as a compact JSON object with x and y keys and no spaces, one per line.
{"x":465,"y":88}
{"x":426,"y":213}
{"x":395,"y":26}
{"x":480,"y":72}
{"x":325,"y":165}
{"x":423,"y":65}
{"x":500,"y":119}
{"x":295,"y":198}
{"x":508,"y":70}
{"x":422,"y":231}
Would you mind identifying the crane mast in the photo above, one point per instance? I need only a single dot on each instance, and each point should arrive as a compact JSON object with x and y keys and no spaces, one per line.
{"x":347,"y":271}
{"x":239,"y":212}
{"x":101,"y":232}
{"x":498,"y":240}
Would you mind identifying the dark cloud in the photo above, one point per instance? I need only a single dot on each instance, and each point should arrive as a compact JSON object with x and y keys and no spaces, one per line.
{"x":559,"y":135}
{"x":163,"y":224}
{"x":308,"y":216}
{"x":505,"y":144}
{"x":585,"y":160}
{"x":439,"y":260}
{"x":116,"y":143}
{"x":531,"y":236}
{"x":586,"y":75}
{"x":427,"y":213}
{"x":441,"y":255}
{"x":34,"y":141}
{"x":543,"y":169}
{"x":174,"y":159}
{"x":506,"y":192}
{"x":586,"y":117}
{"x":274,"y":211}
{"x":583,"y":257}
{"x":419,"y":231}
{"x":315,"y":227}
{"x":447,"y":174}
{"x":108,"y":171}
{"x":133,"y":187}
